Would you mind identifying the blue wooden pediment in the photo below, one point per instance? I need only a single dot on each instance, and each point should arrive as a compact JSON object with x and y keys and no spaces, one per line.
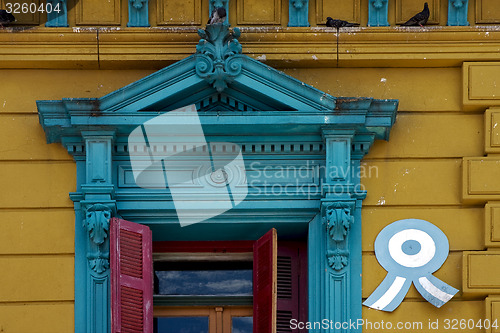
{"x":217,"y":78}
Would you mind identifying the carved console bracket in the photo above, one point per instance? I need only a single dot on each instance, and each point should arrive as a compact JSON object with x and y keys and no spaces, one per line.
{"x":457,"y":12}
{"x":338,"y":221}
{"x":218,"y":55}
{"x":58,"y":15}
{"x":298,"y":11}
{"x":138,"y":13}
{"x":377,"y":13}
{"x":96,"y":223}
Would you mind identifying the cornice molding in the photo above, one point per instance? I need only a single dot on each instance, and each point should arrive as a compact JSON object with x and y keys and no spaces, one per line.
{"x":155,"y":48}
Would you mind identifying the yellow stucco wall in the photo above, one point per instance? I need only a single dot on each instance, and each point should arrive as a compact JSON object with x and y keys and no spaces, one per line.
{"x":417,"y":174}
{"x":36,"y":214}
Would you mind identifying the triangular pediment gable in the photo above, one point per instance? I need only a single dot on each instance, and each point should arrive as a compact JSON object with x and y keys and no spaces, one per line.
{"x":216,"y":72}
{"x":218,"y":79}
{"x":256,"y":87}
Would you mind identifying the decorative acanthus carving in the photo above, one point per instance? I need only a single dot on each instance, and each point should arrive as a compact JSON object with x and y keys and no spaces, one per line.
{"x":338,"y":223}
{"x":97,"y":222}
{"x":217,"y":59}
{"x":298,"y":4}
{"x":458,"y":3}
{"x":378,"y":4}
{"x":97,"y":225}
{"x":138,"y":4}
{"x":337,"y":259}
{"x":98,"y":261}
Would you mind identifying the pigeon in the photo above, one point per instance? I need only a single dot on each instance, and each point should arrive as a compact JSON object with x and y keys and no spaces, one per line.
{"x":420,"y":18}
{"x":218,"y":15}
{"x":5,"y":17}
{"x":339,"y":23}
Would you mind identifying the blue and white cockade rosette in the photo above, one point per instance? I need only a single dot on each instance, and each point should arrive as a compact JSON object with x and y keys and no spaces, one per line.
{"x":410,"y":251}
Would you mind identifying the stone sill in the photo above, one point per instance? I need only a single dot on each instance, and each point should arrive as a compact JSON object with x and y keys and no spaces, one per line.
{"x":153,"y":48}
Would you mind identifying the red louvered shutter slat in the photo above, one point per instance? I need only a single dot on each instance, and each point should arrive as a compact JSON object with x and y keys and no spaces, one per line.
{"x":265,"y":283}
{"x":292,"y":285}
{"x":131,"y":277}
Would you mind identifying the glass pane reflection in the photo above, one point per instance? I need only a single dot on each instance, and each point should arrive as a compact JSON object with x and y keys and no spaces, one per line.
{"x":242,"y":325}
{"x":205,"y":282}
{"x":182,"y":325}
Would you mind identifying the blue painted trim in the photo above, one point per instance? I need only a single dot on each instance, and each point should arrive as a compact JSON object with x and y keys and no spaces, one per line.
{"x":57,"y":19}
{"x":298,"y":13}
{"x":138,"y":14}
{"x":377,"y":13}
{"x":242,"y":101}
{"x":457,"y":12}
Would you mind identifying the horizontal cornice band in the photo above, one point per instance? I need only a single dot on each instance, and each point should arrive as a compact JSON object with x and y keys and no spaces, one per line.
{"x":276,"y":46}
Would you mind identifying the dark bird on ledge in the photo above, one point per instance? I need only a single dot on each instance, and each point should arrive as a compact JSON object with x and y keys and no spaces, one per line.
{"x":218,"y":15}
{"x":5,"y":18}
{"x":420,"y":18}
{"x":339,"y":23}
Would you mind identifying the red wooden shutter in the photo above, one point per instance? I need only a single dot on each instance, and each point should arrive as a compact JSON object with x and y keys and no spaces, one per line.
{"x":292,"y":285}
{"x":131,"y":277}
{"x":265,"y":253}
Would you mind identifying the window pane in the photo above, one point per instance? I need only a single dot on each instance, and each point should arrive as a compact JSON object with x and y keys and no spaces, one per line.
{"x":205,"y":282}
{"x":242,"y":325}
{"x":182,"y":325}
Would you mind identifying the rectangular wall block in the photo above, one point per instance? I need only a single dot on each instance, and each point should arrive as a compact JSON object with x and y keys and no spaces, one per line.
{"x":178,"y":12}
{"x":492,"y":224}
{"x":481,"y":272}
{"x":405,"y":9}
{"x":493,"y":312}
{"x":492,"y":130}
{"x":258,"y":12}
{"x":487,"y":11}
{"x":94,"y":12}
{"x":481,"y":84}
{"x":23,"y":11}
{"x":348,"y":10}
{"x":481,"y":178}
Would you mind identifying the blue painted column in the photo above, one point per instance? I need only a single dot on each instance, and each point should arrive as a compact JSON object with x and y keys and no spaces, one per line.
{"x":298,"y":13}
{"x":377,"y":13}
{"x":457,"y":12}
{"x":138,"y":15}
{"x":334,"y":244}
{"x":58,"y":16}
{"x":94,"y":206}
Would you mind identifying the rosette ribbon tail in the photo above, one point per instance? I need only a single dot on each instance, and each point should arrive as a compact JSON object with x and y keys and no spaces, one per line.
{"x":389,"y":294}
{"x":434,"y":290}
